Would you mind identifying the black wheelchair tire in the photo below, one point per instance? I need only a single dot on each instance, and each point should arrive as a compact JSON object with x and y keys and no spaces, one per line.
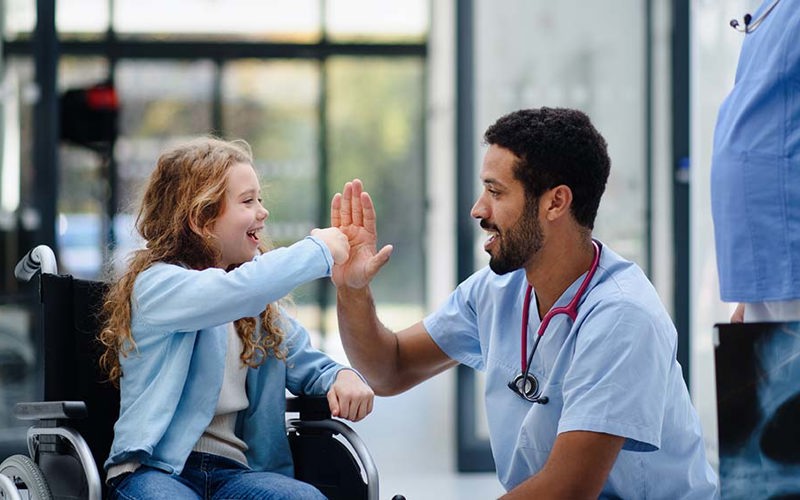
{"x":22,"y":469}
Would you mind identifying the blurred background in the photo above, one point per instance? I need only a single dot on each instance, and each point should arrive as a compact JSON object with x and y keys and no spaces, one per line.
{"x":395,"y":92}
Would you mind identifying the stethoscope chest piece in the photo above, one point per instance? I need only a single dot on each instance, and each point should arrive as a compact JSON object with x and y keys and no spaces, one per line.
{"x":527,"y":386}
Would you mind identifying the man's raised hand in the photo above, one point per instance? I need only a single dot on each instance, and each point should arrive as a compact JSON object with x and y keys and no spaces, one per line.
{"x":353,"y":213}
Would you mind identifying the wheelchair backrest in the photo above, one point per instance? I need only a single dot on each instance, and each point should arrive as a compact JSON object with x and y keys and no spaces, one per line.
{"x":71,"y":321}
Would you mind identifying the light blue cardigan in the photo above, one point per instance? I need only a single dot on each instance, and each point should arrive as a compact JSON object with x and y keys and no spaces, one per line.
{"x":171,"y":382}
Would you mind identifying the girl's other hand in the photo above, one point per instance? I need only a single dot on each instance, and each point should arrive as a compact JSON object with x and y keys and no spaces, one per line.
{"x":336,"y":242}
{"x":350,"y":398}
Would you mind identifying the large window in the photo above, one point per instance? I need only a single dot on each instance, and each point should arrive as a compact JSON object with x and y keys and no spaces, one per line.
{"x":586,"y":55}
{"x":323,"y":90}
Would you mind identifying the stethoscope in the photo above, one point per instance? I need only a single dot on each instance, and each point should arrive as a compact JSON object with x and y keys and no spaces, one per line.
{"x":749,"y":24}
{"x":526,"y":385}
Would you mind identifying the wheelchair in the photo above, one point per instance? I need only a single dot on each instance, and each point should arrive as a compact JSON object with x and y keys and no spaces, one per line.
{"x":73,"y":428}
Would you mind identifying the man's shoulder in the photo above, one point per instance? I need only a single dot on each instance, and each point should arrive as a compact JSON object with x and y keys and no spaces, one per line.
{"x":622,"y":283}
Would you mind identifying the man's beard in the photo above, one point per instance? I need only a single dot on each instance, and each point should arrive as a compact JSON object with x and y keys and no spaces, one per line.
{"x":519,"y":243}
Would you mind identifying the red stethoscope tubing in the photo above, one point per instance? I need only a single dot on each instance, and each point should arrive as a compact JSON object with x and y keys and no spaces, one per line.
{"x":570,"y":310}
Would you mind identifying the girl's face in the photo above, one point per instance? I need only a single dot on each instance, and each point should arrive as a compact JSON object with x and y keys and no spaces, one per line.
{"x":237,"y":229}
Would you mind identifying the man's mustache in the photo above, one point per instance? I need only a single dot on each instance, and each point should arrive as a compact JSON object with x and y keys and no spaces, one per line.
{"x":488,"y":225}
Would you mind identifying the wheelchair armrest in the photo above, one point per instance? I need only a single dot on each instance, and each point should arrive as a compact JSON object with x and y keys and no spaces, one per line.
{"x":309,"y":407}
{"x":50,"y":410}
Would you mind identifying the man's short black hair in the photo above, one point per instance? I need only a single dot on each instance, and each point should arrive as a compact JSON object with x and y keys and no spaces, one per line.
{"x":556,"y":146}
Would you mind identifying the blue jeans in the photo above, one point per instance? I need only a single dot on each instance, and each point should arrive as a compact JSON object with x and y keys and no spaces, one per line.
{"x":207,"y":477}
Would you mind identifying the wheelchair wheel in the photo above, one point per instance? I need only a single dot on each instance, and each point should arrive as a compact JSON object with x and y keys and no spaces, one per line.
{"x":26,"y":475}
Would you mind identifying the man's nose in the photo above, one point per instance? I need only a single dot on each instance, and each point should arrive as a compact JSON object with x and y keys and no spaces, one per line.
{"x":478,"y":210}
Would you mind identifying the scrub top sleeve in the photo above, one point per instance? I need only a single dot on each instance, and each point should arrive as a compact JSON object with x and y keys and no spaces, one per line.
{"x":617,"y":381}
{"x":454,"y":328}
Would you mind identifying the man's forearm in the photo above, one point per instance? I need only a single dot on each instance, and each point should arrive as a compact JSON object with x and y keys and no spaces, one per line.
{"x":370,"y":346}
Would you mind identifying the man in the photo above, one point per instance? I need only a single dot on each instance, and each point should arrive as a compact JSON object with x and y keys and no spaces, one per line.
{"x":755,"y":171}
{"x":597,"y":406}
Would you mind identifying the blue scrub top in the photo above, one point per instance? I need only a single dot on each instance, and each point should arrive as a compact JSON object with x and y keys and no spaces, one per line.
{"x":613,"y":370}
{"x":755,"y":171}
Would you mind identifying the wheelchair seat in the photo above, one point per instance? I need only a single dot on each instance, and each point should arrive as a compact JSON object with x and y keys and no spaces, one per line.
{"x":74,"y":425}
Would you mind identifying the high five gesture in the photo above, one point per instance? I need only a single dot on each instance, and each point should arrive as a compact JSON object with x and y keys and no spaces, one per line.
{"x":353,"y":213}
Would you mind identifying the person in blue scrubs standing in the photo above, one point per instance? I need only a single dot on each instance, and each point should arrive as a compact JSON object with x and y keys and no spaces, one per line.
{"x":755,"y":171}
{"x":584,"y":396}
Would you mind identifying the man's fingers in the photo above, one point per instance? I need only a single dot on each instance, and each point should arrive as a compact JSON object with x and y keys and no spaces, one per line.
{"x":336,"y":206}
{"x":345,"y":211}
{"x":379,"y":259}
{"x":358,"y":188}
{"x":368,"y":211}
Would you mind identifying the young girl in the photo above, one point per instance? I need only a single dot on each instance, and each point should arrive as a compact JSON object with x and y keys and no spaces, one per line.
{"x":201,"y":352}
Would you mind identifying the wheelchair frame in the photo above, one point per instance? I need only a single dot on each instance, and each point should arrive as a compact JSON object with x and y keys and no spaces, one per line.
{"x":314,"y":421}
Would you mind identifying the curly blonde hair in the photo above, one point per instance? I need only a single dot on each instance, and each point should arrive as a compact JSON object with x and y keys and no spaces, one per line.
{"x":184,"y":196}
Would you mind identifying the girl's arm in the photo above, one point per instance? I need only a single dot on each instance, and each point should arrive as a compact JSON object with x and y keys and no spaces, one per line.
{"x":311,"y":372}
{"x":178,"y":299}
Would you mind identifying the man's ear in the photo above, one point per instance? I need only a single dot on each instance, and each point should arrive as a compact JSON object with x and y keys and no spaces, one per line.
{"x":556,"y":202}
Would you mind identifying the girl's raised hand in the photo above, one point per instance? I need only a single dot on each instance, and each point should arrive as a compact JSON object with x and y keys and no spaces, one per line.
{"x":336,"y":242}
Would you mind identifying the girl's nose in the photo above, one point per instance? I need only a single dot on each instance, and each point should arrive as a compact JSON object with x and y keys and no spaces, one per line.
{"x":263,"y":214}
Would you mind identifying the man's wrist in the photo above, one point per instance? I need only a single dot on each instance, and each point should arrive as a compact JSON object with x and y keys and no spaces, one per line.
{"x":352,"y":293}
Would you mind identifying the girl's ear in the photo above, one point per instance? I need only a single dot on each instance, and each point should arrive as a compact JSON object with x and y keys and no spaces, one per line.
{"x":201,"y":232}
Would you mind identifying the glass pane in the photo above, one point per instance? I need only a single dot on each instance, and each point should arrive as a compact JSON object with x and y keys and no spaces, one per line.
{"x":377,"y":20}
{"x":273,"y":106}
{"x":162,"y":102}
{"x":376,"y":134}
{"x":82,"y":187}
{"x":82,"y":17}
{"x":18,"y":369}
{"x":18,"y":219}
{"x":296,"y":20}
{"x":584,"y":55}
{"x":164,"y":99}
{"x":20,"y":17}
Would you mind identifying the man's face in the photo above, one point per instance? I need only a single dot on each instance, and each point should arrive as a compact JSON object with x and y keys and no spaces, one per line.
{"x":510,"y":218}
